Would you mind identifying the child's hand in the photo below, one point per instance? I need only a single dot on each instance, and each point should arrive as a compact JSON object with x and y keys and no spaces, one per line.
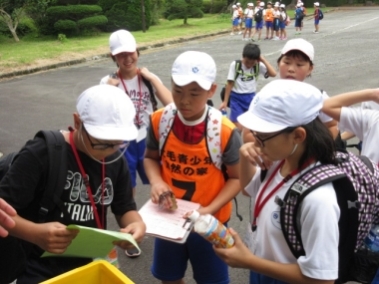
{"x":157,"y":190}
{"x":114,"y":81}
{"x":137,"y":230}
{"x":6,"y":222}
{"x":252,"y":153}
{"x":238,"y":255}
{"x":376,"y":96}
{"x":54,"y":237}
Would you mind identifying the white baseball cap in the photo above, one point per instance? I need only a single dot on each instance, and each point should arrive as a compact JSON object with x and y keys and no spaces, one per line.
{"x":238,"y":4}
{"x":281,"y":104}
{"x":194,"y":66}
{"x":316,"y":4}
{"x":262,"y":4}
{"x":282,"y":6}
{"x":107,"y":113}
{"x":122,"y":41}
{"x":300,"y":44}
{"x":276,"y":4}
{"x":250,"y":4}
{"x":234,"y":6}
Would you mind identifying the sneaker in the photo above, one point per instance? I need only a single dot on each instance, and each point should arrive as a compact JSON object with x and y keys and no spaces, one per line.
{"x":231,"y":33}
{"x":284,"y":38}
{"x":1,"y":154}
{"x":239,"y":33}
{"x":132,"y":252}
{"x":266,"y":38}
{"x":275,"y":38}
{"x":252,"y":39}
{"x":315,"y":32}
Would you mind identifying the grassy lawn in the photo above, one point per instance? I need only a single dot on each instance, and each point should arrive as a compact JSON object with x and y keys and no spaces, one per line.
{"x":37,"y":51}
{"x":31,"y":51}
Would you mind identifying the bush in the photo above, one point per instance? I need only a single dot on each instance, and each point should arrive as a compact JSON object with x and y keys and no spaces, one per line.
{"x":92,"y":22}
{"x":65,"y":26}
{"x":207,"y":5}
{"x":73,"y":12}
{"x":25,"y":27}
{"x":218,"y":7}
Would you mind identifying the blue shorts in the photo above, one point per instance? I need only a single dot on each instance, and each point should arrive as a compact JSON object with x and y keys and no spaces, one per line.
{"x":282,"y":25}
{"x":276,"y":24}
{"x":170,"y":261}
{"x":135,"y":155}
{"x":239,"y":103}
{"x":297,"y":23}
{"x":249,"y":23}
{"x":256,"y":278}
{"x":317,"y":21}
{"x":269,"y":25}
{"x":259,"y":25}
{"x":235,"y":22}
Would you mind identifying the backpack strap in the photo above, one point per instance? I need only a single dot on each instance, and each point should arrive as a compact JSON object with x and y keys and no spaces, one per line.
{"x":237,"y":69}
{"x":213,"y":131}
{"x":57,"y":173}
{"x":289,"y":206}
{"x":153,"y":99}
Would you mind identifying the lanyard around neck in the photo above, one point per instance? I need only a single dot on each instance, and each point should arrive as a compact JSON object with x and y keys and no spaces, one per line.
{"x":259,"y":204}
{"x":138,"y":121}
{"x":85,"y":177}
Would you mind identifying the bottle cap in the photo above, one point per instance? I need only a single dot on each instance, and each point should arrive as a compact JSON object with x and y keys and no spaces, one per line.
{"x":194,"y":216}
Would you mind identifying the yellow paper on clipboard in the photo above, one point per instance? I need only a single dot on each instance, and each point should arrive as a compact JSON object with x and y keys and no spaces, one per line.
{"x":168,"y":224}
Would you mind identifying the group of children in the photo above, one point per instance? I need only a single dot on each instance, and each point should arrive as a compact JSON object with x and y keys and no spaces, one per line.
{"x":274,"y":18}
{"x":288,"y":127}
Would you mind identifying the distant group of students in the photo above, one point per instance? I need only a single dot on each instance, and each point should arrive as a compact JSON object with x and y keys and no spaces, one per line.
{"x":286,"y":128}
{"x":274,"y":18}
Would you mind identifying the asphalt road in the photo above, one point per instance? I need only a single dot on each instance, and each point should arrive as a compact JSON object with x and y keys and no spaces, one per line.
{"x":346,"y":59}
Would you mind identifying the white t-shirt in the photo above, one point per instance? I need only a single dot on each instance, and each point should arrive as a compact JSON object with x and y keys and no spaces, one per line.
{"x":319,"y":222}
{"x":364,"y":123}
{"x":235,"y":14}
{"x":245,"y":82}
{"x":276,"y":13}
{"x":249,"y":13}
{"x":141,"y":102}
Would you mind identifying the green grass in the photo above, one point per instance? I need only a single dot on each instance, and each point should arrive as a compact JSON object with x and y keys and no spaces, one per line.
{"x":33,"y":50}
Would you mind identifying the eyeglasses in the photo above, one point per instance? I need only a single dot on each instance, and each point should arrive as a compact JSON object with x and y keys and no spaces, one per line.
{"x":262,"y":141}
{"x":105,"y":146}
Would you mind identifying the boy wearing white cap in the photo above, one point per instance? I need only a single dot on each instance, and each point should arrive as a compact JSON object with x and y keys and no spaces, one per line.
{"x":283,"y":120}
{"x":248,"y":21}
{"x":96,"y":178}
{"x":316,"y":16}
{"x":187,"y":143}
{"x":141,"y":86}
{"x":235,"y":19}
{"x":258,"y":17}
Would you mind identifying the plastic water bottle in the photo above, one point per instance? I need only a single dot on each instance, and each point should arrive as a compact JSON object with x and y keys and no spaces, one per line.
{"x":212,"y":230}
{"x":372,"y":240}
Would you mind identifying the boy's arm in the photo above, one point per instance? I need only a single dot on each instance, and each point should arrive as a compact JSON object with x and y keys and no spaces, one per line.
{"x":271,"y":72}
{"x":52,"y":237}
{"x":6,"y":214}
{"x":228,"y":88}
{"x":132,"y":223}
{"x":163,"y":94}
{"x":333,"y":105}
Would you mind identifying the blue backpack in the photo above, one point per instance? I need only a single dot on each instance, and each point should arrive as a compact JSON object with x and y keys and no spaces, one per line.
{"x":299,"y":14}
{"x":320,"y":14}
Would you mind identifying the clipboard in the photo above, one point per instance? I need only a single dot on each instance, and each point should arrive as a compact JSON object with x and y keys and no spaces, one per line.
{"x":166,"y":224}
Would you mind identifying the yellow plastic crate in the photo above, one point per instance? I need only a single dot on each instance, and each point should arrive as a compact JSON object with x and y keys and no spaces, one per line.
{"x":96,"y":272}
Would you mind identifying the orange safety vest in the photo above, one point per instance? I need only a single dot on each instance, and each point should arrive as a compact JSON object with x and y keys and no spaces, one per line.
{"x":189,"y":170}
{"x":269,"y":16}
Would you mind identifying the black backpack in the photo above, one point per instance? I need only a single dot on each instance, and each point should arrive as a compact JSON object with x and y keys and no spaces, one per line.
{"x":356,"y":181}
{"x":14,"y":252}
{"x":258,"y":15}
{"x":238,"y":71}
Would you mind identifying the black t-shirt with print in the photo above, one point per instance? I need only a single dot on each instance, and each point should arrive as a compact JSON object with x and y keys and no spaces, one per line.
{"x":23,"y":186}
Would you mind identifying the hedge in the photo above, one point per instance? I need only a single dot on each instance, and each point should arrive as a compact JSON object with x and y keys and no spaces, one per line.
{"x":91,"y":22}
{"x":65,"y":25}
{"x":64,"y":12}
